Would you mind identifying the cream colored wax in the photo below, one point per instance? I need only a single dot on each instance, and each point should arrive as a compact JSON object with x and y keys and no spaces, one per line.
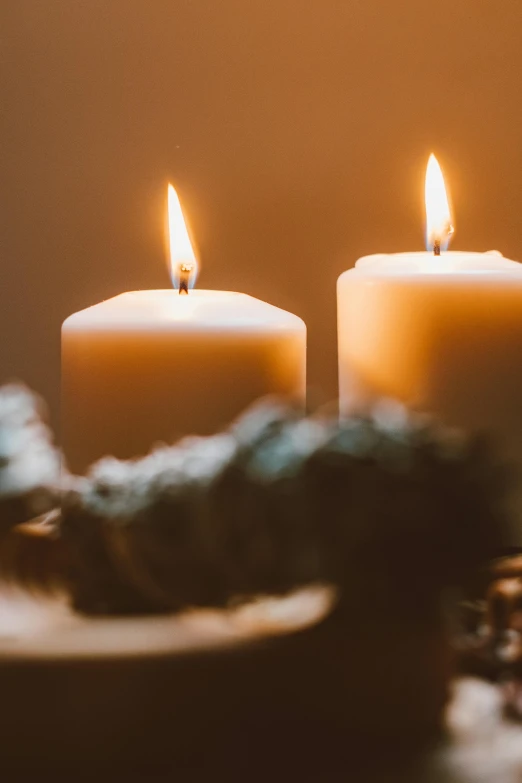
{"x":151,"y":366}
{"x":442,"y":335}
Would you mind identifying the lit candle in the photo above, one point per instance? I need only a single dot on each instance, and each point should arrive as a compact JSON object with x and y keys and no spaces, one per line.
{"x":151,"y":366}
{"x":440,"y":331}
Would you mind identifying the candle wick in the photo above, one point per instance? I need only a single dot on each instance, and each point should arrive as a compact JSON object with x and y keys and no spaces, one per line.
{"x":184,"y":277}
{"x":445,"y":235}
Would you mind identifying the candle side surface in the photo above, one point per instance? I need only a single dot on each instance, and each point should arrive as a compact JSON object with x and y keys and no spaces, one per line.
{"x":447,"y":343}
{"x":139,"y":370}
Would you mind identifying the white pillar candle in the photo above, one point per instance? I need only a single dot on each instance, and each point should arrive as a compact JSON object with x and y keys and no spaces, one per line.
{"x":151,"y":366}
{"x":442,"y":334}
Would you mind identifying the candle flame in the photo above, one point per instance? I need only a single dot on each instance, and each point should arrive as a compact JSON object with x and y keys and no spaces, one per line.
{"x":438,"y":216}
{"x":183,"y":264}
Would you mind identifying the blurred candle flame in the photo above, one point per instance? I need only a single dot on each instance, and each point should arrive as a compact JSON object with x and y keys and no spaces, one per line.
{"x":438,"y":215}
{"x":183,"y":264}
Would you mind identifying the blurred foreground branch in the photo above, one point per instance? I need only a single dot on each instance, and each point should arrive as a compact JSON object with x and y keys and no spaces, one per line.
{"x":29,"y":463}
{"x":391,"y":505}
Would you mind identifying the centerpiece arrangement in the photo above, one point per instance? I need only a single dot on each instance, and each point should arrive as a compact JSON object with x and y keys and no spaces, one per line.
{"x":332,"y":572}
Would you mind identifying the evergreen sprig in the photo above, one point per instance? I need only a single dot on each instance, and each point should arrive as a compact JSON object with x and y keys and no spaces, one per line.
{"x":391,"y":505}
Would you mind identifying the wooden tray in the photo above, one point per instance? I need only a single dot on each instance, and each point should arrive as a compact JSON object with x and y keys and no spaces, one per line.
{"x":280,"y":690}
{"x":43,"y":628}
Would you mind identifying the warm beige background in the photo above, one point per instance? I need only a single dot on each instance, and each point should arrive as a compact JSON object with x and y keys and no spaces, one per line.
{"x":296,"y":131}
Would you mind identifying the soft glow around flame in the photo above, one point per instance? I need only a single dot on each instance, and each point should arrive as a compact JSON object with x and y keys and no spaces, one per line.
{"x":438,"y":216}
{"x":183,"y":264}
